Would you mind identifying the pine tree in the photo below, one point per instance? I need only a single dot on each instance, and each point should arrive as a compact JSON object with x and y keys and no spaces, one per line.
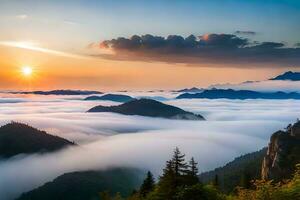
{"x":192,"y":173}
{"x":179,"y":163}
{"x":193,"y":167}
{"x":167,"y":183}
{"x":148,"y":185}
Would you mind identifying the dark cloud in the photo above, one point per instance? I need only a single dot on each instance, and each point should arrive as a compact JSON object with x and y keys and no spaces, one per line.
{"x":248,"y":33}
{"x":209,"y":48}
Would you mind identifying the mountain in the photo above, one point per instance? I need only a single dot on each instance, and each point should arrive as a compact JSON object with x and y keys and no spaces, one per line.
{"x":283,"y":154}
{"x":191,"y":90}
{"x":87,"y":185}
{"x":61,"y":92}
{"x":111,"y":97}
{"x":150,"y":108}
{"x":288,"y":76}
{"x":238,"y":94}
{"x":276,"y":162}
{"x":247,"y":166}
{"x":17,"y":138}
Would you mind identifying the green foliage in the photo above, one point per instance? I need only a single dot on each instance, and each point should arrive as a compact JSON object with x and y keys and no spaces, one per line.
{"x":237,"y":172}
{"x":267,"y":190}
{"x":179,"y":181}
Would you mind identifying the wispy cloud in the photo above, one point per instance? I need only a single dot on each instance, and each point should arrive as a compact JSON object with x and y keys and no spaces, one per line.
{"x":22,"y":16}
{"x":35,"y":47}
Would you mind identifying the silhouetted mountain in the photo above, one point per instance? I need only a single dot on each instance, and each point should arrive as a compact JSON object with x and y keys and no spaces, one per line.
{"x":61,"y":92}
{"x":150,"y":108}
{"x":111,"y":97}
{"x":283,"y":154}
{"x":17,"y":138}
{"x":232,"y":173}
{"x":192,"y":90}
{"x":87,"y":185}
{"x":288,"y":76}
{"x":238,"y":94}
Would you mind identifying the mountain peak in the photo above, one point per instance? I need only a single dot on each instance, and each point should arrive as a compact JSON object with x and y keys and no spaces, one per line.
{"x":17,"y":138}
{"x":149,"y":108}
{"x":288,"y":76}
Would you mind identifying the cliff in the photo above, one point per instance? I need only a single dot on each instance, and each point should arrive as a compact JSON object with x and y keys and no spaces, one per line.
{"x":283,"y":154}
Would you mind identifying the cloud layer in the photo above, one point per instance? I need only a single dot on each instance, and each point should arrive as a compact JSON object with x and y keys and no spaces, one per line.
{"x":234,"y":127}
{"x":209,"y":48}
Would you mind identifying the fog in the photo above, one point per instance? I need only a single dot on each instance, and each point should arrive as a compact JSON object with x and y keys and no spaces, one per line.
{"x":233,"y":127}
{"x":263,"y":86}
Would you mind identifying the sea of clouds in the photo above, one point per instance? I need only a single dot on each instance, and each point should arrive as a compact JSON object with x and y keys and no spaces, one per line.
{"x":232,"y":128}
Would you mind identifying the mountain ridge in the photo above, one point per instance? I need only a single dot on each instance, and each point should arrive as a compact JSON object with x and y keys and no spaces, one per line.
{"x":148,"y":108}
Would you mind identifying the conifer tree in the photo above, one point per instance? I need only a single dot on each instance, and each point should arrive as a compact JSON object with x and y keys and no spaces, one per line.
{"x":179,"y":163}
{"x":193,"y":167}
{"x":148,"y":185}
{"x":167,"y":183}
{"x":192,"y":173}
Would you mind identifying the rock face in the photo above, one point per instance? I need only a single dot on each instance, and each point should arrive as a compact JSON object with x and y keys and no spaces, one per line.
{"x":149,"y":108}
{"x":283,"y":154}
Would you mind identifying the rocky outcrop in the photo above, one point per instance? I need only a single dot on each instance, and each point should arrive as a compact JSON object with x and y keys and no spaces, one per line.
{"x":283,"y":154}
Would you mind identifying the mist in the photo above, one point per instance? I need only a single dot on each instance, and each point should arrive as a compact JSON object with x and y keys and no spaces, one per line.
{"x":233,"y":127}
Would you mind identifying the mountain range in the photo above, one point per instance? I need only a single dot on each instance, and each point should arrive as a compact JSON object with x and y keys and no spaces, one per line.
{"x":238,"y":94}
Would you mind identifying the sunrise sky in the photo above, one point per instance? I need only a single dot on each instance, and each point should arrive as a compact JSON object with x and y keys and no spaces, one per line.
{"x":89,"y":45}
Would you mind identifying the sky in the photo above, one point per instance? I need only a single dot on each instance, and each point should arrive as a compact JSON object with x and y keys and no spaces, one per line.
{"x":89,"y":45}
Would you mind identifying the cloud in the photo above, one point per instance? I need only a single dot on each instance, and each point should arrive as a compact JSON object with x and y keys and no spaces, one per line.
{"x":108,"y":139}
{"x":22,"y":17}
{"x":248,"y":33}
{"x":263,"y":86}
{"x":208,"y":48}
{"x":35,"y":47}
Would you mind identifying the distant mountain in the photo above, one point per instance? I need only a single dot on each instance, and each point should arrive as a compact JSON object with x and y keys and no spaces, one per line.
{"x":288,"y":76}
{"x":150,"y":108}
{"x":61,"y":92}
{"x":111,"y":97}
{"x":232,"y":174}
{"x":192,"y":90}
{"x":283,"y":154}
{"x":238,"y":94}
{"x":17,"y":138}
{"x":87,"y":185}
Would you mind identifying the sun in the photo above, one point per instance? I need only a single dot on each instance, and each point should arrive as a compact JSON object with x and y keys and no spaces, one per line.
{"x":27,"y":71}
